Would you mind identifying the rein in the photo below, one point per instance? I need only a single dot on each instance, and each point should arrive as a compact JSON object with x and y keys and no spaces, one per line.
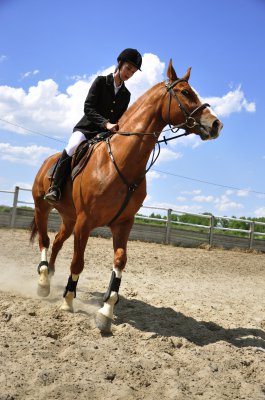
{"x":131,"y":187}
{"x":190,"y":122}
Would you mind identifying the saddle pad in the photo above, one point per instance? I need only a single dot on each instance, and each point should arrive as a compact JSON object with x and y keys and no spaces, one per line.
{"x":79,"y":161}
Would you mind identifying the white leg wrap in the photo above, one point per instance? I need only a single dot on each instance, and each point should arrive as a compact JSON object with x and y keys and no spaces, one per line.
{"x":108,"y":306}
{"x":69,"y":297}
{"x":44,"y":273}
{"x":75,"y":277}
{"x":44,"y":254}
{"x":118,"y":272}
{"x":44,"y":279}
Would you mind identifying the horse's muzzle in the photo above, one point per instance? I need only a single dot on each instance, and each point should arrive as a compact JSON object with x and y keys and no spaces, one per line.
{"x":212,"y":132}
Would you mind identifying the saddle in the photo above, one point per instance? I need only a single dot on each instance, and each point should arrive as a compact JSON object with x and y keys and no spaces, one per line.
{"x":79,"y":160}
{"x":81,"y":156}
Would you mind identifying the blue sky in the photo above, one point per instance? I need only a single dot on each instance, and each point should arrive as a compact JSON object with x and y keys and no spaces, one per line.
{"x":51,"y":50}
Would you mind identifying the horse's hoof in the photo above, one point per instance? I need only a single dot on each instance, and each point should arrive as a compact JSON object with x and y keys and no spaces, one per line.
{"x":67,"y":307}
{"x":103,"y":323}
{"x":43,"y":291}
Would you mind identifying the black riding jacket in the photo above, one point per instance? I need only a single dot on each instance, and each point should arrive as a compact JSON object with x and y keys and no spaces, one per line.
{"x":102,"y":105}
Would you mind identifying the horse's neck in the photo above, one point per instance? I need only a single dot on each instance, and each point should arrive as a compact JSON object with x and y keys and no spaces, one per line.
{"x":145,"y":114}
{"x":143,"y":117}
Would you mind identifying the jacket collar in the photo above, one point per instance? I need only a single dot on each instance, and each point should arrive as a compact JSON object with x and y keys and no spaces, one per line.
{"x":110,"y":82}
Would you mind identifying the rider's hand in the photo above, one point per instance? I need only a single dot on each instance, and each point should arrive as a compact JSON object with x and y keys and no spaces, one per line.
{"x":112,"y":127}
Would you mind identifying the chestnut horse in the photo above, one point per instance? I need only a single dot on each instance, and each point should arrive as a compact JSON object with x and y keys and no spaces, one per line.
{"x":115,"y":172}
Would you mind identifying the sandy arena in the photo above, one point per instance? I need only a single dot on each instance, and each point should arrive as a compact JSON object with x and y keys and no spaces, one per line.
{"x":190,"y":324}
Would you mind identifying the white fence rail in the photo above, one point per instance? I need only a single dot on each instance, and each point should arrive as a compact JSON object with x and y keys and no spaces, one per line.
{"x":165,"y":230}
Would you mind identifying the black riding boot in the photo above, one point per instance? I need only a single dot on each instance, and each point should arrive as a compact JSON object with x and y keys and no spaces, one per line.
{"x":63,"y":170}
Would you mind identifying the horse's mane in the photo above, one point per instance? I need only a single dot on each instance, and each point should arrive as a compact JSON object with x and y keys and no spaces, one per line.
{"x":139,"y":102}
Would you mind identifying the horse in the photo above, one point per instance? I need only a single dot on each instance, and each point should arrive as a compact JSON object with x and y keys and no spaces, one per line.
{"x":112,"y":186}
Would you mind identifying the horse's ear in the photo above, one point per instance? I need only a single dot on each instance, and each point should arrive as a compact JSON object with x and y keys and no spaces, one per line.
{"x":171,"y":73}
{"x":187,"y":75}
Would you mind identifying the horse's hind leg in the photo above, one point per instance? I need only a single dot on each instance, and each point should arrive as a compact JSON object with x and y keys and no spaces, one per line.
{"x":120,"y":233}
{"x":45,"y":269}
{"x":40,"y":225}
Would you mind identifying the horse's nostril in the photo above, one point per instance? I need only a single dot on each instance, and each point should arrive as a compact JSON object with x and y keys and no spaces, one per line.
{"x":216,"y":124}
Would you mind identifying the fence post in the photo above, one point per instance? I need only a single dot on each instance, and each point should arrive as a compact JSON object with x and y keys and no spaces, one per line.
{"x":251,"y":234}
{"x":14,"y":209}
{"x":168,"y":227}
{"x":211,"y":230}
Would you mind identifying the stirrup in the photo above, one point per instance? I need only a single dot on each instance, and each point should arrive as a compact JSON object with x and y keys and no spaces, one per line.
{"x":53,"y":195}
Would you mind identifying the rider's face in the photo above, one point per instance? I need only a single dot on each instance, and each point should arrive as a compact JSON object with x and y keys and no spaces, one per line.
{"x":127,"y":70}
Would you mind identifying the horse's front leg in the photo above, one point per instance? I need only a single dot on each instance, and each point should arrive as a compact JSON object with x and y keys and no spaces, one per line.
{"x":120,"y":233}
{"x":63,"y":234}
{"x":81,"y":234}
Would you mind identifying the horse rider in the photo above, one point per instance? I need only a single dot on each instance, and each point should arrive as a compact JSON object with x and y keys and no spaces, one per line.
{"x":107,"y":100}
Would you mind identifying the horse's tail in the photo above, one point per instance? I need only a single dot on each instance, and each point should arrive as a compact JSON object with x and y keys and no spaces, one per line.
{"x":34,"y":230}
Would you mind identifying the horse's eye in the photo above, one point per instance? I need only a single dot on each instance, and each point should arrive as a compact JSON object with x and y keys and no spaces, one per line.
{"x":185,"y":92}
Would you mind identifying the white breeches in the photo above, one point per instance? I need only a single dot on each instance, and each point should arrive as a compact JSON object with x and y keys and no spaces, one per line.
{"x":75,"y":139}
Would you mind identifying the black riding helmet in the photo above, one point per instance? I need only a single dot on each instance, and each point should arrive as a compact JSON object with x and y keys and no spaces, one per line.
{"x":132,"y":56}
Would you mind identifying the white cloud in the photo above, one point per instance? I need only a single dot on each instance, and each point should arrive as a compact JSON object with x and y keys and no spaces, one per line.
{"x":220,"y":203}
{"x":152,"y":73}
{"x":196,"y":202}
{"x":232,"y":102}
{"x":24,"y":185}
{"x":260,"y":196}
{"x":239,"y":193}
{"x":152,"y":175}
{"x":203,"y":199}
{"x":29,"y":155}
{"x":224,"y":203}
{"x":29,"y":73}
{"x":83,"y":77}
{"x":190,"y":208}
{"x":229,"y":192}
{"x":44,"y":108}
{"x":3,"y":58}
{"x":243,"y":192}
{"x":90,"y":78}
{"x":260,"y":212}
{"x":167,"y":155}
{"x":193,"y":192}
{"x":192,"y":140}
{"x":181,"y":198}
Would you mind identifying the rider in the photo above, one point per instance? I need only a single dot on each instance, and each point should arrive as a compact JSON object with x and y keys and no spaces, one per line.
{"x":107,"y":100}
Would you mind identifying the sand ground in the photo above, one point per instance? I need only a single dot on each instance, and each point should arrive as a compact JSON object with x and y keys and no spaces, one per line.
{"x":190,"y":324}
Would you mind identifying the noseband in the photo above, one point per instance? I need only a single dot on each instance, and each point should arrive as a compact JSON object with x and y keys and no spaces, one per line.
{"x":190,"y":121}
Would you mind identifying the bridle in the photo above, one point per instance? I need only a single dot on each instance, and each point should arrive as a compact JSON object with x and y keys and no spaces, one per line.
{"x":190,"y":121}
